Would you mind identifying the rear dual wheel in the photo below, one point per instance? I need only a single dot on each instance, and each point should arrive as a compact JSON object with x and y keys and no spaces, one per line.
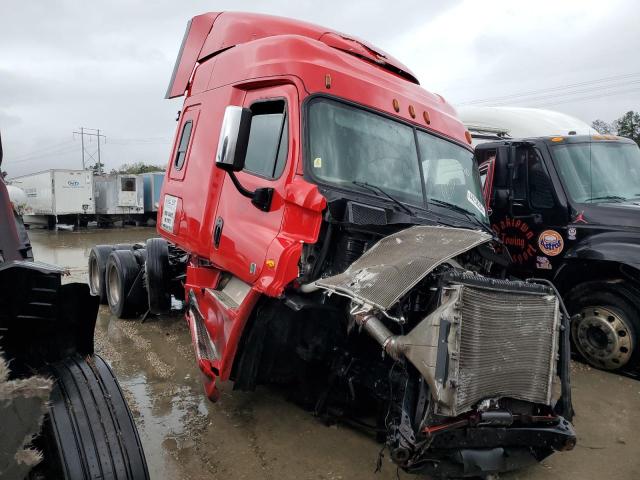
{"x":123,"y":283}
{"x":97,"y":265}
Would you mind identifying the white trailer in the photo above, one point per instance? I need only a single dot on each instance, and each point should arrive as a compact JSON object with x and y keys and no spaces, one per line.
{"x":493,"y":123}
{"x":119,"y":197}
{"x":57,"y":196}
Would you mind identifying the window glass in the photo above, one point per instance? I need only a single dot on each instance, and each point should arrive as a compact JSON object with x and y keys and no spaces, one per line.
{"x":540,"y":187}
{"x":450,"y":174}
{"x":599,"y":172}
{"x":349,"y":144}
{"x":184,"y":144}
{"x":268,"y":140}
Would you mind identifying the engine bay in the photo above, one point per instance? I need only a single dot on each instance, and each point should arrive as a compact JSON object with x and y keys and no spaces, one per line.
{"x":414,"y":333}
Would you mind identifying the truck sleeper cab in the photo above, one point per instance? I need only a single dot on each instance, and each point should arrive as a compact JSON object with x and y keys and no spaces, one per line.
{"x":566,"y":207}
{"x":327,"y":214}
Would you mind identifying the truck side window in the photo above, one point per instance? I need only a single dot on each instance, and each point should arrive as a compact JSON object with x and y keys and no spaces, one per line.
{"x":268,"y":139}
{"x":184,"y":144}
{"x":519,"y":180}
{"x":540,"y":188}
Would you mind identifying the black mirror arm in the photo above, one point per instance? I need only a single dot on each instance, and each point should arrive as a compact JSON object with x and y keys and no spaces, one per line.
{"x":260,"y":198}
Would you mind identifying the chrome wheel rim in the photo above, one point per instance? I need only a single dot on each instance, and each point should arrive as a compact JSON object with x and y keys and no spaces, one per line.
{"x":113,"y":283}
{"x":604,"y":337}
{"x":94,"y":276}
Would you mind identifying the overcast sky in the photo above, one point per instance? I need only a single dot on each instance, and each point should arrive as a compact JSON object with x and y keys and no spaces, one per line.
{"x":106,"y":65}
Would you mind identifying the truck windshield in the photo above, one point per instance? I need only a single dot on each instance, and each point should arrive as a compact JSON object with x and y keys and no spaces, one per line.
{"x":348,"y":144}
{"x":599,"y":172}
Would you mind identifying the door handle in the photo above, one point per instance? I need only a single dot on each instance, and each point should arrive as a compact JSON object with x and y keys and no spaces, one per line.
{"x":217,"y":232}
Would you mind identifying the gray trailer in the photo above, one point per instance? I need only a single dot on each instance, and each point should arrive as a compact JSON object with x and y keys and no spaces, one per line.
{"x":119,"y":197}
{"x":152,"y":187}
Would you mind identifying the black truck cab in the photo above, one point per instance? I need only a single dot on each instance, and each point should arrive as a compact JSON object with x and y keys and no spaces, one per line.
{"x":567,"y":208}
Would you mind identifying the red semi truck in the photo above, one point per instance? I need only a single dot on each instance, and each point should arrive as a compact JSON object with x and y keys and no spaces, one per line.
{"x":322,"y":219}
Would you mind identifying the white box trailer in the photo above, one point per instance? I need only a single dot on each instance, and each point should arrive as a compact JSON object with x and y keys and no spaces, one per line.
{"x":57,"y":196}
{"x":119,"y":196}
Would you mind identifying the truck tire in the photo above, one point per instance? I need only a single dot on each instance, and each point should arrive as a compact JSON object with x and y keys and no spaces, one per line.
{"x":97,"y":264}
{"x":158,"y":276}
{"x":605,"y":332}
{"x":88,"y":432}
{"x":121,"y":273}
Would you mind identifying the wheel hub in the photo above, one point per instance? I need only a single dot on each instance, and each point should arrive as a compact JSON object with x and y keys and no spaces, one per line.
{"x":603,"y":336}
{"x":94,"y":276}
{"x":113,"y":281}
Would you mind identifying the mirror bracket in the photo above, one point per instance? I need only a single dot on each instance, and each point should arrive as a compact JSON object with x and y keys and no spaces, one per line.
{"x":260,"y":198}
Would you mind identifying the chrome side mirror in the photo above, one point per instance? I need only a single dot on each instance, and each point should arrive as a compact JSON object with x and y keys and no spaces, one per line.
{"x":234,"y":139}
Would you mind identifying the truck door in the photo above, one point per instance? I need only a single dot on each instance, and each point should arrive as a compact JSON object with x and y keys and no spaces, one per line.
{"x":533,"y":225}
{"x":243,"y":233}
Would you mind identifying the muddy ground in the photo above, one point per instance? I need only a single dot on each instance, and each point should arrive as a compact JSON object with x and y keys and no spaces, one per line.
{"x":261,"y":435}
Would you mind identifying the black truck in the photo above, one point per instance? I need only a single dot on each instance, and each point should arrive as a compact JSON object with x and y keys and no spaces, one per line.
{"x":567,"y":208}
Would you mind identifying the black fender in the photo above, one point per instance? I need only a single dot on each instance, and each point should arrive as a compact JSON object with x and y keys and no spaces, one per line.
{"x":603,"y":256}
{"x":620,"y":247}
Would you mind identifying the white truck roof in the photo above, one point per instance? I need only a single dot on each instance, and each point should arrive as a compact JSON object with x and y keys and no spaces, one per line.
{"x":519,"y":122}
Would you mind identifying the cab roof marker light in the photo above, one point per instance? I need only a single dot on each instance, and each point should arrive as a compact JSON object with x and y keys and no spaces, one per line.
{"x":396,"y":105}
{"x":426,"y":117}
{"x":327,"y":81}
{"x":412,"y":111}
{"x":557,"y":139}
{"x":467,"y":135}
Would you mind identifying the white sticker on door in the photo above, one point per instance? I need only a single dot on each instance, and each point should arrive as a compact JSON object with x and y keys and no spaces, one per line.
{"x":169,"y":213}
{"x":475,"y":202}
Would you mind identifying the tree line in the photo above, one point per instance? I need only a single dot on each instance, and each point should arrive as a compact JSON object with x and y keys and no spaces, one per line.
{"x":628,"y":125}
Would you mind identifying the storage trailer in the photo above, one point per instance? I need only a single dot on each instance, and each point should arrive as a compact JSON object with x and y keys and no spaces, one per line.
{"x":322,"y":219}
{"x":58,"y":196}
{"x":152,"y":182}
{"x":119,"y":197}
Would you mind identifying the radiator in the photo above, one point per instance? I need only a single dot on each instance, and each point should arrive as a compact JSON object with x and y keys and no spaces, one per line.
{"x":489,"y":339}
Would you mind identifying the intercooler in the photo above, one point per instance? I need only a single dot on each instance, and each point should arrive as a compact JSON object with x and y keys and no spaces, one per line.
{"x":502,"y":341}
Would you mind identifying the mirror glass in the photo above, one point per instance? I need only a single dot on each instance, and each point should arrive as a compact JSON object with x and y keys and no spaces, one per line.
{"x":234,"y":137}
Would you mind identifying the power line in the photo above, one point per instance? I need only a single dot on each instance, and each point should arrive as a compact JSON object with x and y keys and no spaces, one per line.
{"x":589,"y":97}
{"x":42,"y":149}
{"x":563,"y":95}
{"x":551,"y":89}
{"x":41,"y":155}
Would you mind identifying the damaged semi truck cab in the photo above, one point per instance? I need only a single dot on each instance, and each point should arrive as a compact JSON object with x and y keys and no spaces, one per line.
{"x":329,"y":215}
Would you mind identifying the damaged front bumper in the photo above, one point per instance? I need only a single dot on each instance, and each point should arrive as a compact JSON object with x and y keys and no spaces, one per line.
{"x":472,"y":451}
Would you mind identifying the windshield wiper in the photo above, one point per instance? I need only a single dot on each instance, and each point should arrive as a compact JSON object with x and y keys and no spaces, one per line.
{"x":375,"y":188}
{"x":608,"y":197}
{"x":464,"y":211}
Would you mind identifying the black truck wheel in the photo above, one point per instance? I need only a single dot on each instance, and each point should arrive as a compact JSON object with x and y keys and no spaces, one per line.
{"x":605,"y":332}
{"x":88,"y":432}
{"x":123,"y":285}
{"x":158,"y":275}
{"x":97,"y":265}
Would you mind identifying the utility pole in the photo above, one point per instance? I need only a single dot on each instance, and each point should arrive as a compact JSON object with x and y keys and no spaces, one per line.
{"x":82,"y":141}
{"x":91,"y":155}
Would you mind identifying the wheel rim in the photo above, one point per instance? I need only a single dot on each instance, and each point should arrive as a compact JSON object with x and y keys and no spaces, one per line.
{"x":113,"y":281}
{"x":94,"y":276}
{"x":604,"y":337}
